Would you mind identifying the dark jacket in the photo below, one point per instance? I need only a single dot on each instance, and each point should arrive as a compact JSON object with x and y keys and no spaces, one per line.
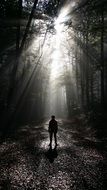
{"x":53,"y":126}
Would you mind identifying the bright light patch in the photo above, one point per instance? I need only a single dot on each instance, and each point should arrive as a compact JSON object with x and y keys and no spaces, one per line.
{"x":55,"y":65}
{"x":55,"y":58}
{"x":64,"y":15}
{"x":59,"y":59}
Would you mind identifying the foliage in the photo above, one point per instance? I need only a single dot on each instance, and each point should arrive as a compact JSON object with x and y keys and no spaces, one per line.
{"x":8,"y":8}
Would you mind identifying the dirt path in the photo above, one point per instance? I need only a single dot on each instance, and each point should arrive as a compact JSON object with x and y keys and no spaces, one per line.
{"x":78,"y":163}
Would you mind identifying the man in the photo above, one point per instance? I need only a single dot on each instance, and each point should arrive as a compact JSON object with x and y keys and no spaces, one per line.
{"x":53,"y":128}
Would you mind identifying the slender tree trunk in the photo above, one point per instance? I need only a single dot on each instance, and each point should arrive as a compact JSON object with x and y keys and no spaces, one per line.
{"x":28,"y":25}
{"x":18,"y":38}
{"x":77,"y":67}
{"x":82,"y":76}
{"x":91,"y":88}
{"x":14,"y":70}
{"x":102,"y":57}
{"x":87,"y":69}
{"x":18,"y":25}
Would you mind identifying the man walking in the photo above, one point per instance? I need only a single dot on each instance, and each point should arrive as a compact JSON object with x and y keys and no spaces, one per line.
{"x":53,"y":128}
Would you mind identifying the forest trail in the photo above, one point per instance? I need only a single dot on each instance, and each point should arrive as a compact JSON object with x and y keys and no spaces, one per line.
{"x":78,"y":163}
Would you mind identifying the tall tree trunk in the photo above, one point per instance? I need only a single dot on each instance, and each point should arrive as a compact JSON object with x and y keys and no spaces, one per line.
{"x":77,"y":67}
{"x":82,"y":76}
{"x":28,"y":25}
{"x":102,"y":57}
{"x":91,"y":88}
{"x":14,"y":70}
{"x":18,"y":25}
{"x":87,"y":70}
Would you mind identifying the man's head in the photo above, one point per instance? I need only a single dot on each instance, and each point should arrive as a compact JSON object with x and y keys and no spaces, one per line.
{"x":53,"y":117}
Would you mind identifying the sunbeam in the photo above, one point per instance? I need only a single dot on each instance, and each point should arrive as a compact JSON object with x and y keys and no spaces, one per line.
{"x":59,"y":67}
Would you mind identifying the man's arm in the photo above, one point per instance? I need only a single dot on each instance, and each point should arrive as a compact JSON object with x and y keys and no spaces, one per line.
{"x":56,"y":126}
{"x":49,"y":127}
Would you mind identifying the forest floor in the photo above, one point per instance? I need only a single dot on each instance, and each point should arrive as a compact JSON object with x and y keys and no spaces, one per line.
{"x":78,"y":163}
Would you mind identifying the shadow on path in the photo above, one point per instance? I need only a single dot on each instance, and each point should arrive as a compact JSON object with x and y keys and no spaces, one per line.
{"x":51,"y":154}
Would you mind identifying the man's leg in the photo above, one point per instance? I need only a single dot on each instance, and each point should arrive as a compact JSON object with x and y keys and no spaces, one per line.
{"x":55,"y":138}
{"x":51,"y":134}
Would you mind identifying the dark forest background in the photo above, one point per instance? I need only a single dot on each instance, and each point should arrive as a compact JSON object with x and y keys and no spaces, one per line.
{"x":20,"y":102}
